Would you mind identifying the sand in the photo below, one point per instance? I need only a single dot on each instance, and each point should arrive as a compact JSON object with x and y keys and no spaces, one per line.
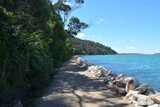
{"x":75,"y":87}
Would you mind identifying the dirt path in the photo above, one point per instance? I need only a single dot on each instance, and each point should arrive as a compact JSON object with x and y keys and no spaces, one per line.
{"x":75,"y":87}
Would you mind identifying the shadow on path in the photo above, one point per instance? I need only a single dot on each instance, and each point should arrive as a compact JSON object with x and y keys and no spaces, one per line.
{"x":76,"y":87}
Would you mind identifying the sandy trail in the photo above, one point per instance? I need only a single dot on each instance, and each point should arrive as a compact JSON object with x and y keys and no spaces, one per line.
{"x":76,"y":87}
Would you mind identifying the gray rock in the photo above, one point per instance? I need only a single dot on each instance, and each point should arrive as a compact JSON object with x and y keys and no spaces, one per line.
{"x":149,"y":91}
{"x":121,"y":84}
{"x":108,"y":79}
{"x":121,"y":91}
{"x":80,"y":61}
{"x":142,"y":88}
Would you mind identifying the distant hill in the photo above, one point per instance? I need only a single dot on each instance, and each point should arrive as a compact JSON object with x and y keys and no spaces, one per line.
{"x":130,"y":53}
{"x":90,"y":48}
{"x":157,"y":54}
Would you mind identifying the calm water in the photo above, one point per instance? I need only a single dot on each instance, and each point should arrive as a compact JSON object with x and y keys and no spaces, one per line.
{"x":146,"y":68}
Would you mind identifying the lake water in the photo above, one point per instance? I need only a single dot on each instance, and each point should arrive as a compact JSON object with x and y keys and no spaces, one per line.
{"x":146,"y":68}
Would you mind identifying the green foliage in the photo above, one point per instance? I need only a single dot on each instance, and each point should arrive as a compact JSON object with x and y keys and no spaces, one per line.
{"x":64,"y":9}
{"x":90,"y":48}
{"x":75,"y":26}
{"x":32,"y":44}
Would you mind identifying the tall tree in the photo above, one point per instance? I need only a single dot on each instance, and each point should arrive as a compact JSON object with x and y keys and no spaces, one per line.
{"x":75,"y":26}
{"x":65,"y":7}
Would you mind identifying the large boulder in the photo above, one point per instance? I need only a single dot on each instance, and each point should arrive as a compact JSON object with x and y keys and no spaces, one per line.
{"x":156,"y":98}
{"x":99,"y":74}
{"x":132,"y":83}
{"x":132,"y":93}
{"x":92,"y":69}
{"x":121,"y":84}
{"x":144,"y":100}
{"x":142,"y":88}
{"x":119,"y":81}
{"x":149,"y":91}
{"x":80,"y":61}
{"x":98,"y":71}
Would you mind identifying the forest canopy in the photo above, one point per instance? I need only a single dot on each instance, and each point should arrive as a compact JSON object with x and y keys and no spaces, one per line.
{"x":86,"y":47}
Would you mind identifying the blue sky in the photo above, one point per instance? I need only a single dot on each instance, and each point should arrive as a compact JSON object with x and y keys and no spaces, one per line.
{"x":127,"y":26}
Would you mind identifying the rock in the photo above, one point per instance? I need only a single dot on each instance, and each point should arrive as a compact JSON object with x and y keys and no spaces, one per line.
{"x":120,"y":77}
{"x":108,"y":73}
{"x":102,"y":78}
{"x":84,"y":66}
{"x":76,"y":56}
{"x":121,"y":91}
{"x":80,"y":61}
{"x":131,"y":84}
{"x":142,"y":88}
{"x":132,"y":96}
{"x":104,"y":71}
{"x":108,"y":79}
{"x":149,"y":91}
{"x":89,"y":64}
{"x":19,"y":104}
{"x":132,"y":100}
{"x":144,"y":100}
{"x":110,"y":84}
{"x":92,"y":69}
{"x":119,"y":84}
{"x":132,"y":93}
{"x":154,"y":105}
{"x":98,"y":71}
{"x":156,"y":98}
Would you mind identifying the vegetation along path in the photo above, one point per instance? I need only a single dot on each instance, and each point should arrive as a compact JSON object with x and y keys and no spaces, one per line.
{"x":76,"y":87}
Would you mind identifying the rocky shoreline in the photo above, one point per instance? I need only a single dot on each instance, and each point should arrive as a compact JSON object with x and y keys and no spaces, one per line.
{"x":137,"y":94}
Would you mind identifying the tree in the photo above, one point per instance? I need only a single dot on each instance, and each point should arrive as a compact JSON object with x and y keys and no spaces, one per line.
{"x":65,"y":7}
{"x":75,"y":26}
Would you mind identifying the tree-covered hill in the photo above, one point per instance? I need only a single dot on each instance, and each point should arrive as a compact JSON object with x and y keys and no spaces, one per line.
{"x":90,"y":47}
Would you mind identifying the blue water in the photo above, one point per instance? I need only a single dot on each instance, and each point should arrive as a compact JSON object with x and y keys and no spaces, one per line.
{"x":146,"y":68}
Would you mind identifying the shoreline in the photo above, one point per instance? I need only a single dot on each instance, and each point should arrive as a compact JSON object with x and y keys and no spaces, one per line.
{"x":74,"y":86}
{"x":133,"y":91}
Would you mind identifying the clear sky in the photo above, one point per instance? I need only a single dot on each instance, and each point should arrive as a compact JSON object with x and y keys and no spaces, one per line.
{"x":127,"y":26}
